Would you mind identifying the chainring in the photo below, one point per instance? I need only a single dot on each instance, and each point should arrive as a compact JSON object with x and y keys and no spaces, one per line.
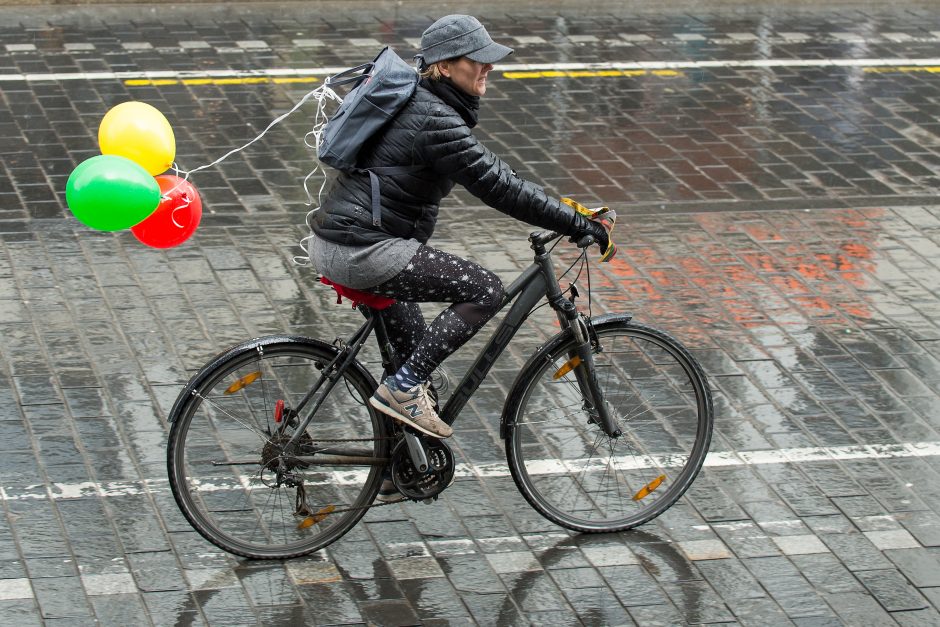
{"x":415,"y":485}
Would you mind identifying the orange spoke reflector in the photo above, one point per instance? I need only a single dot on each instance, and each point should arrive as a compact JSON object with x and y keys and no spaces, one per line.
{"x":569,"y":365}
{"x":649,"y":487}
{"x":248,"y":379}
{"x":314,"y":519}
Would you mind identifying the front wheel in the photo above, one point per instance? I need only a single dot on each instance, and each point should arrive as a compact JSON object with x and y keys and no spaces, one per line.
{"x":230,"y":472}
{"x":569,"y":469}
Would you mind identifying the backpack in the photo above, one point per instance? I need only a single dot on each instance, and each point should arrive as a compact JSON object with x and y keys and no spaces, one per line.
{"x":382,"y":87}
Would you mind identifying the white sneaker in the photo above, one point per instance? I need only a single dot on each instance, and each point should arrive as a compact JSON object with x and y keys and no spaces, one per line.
{"x":412,"y":407}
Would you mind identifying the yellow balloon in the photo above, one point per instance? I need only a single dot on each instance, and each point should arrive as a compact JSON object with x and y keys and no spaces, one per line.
{"x":139,"y":132}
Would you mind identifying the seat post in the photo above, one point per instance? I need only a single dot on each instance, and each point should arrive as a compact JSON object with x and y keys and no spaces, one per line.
{"x":390,"y":364}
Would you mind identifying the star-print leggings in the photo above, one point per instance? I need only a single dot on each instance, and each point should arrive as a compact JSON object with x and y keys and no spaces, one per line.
{"x":436,"y":276}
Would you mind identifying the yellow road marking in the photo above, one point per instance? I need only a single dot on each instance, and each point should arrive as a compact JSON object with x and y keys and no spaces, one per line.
{"x":246,"y":80}
{"x":931,"y":69}
{"x":538,"y":74}
{"x":591,"y":73}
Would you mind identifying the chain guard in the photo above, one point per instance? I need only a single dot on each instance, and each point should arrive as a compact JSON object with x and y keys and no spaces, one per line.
{"x":414,"y":485}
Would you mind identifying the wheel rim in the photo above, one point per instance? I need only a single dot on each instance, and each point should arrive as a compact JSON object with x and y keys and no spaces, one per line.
{"x":582,"y":479}
{"x":224,"y":459}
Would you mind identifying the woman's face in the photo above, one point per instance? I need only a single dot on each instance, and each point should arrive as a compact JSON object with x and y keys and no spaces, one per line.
{"x":469,"y":76}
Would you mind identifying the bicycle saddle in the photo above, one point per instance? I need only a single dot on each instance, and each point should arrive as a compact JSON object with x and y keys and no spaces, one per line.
{"x":358,"y":297}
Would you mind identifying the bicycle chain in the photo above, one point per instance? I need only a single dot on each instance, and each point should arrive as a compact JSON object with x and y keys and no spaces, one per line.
{"x":373,"y":504}
{"x":352,"y":439}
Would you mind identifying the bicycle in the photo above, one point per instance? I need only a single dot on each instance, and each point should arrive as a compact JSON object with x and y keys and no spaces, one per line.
{"x":605,"y":427}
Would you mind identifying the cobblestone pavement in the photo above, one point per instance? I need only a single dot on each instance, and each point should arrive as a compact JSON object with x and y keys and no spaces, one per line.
{"x":777,"y":171}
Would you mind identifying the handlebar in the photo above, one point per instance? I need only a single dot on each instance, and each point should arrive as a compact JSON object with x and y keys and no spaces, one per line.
{"x":540,"y":239}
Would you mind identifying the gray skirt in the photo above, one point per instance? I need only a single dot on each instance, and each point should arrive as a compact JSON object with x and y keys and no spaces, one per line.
{"x":361,"y":267}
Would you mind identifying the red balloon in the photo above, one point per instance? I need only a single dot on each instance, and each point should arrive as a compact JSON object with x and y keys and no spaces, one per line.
{"x":176,"y":217}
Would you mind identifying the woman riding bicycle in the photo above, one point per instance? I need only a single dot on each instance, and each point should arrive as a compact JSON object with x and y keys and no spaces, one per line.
{"x":393,"y":259}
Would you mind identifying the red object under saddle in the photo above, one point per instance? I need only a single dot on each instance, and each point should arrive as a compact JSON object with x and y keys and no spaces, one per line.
{"x":357,"y":297}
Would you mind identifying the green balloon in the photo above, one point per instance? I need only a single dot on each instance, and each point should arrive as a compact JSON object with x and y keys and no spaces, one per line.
{"x":110,"y":193}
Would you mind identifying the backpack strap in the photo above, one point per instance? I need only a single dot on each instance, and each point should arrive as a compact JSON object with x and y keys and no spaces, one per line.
{"x":352,"y":75}
{"x":374,"y":183}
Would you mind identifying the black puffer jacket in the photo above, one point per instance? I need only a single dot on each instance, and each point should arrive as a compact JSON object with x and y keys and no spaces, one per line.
{"x":430,"y":132}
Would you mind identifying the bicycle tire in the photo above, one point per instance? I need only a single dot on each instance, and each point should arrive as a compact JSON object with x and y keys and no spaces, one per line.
{"x":660,"y":397}
{"x":220,"y":454}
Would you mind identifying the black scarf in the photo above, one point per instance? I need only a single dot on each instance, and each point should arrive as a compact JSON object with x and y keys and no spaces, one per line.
{"x":466,"y":105}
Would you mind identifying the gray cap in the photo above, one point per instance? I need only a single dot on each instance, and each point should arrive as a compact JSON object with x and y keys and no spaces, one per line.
{"x":460,"y":36}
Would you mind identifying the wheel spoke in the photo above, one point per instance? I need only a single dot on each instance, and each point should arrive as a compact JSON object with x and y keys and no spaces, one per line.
{"x":662,"y":404}
{"x":262,"y":436}
{"x":218,"y":435}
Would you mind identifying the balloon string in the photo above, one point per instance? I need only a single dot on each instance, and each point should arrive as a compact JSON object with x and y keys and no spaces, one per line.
{"x":187,"y":201}
{"x":276,"y":121}
{"x":316,"y":133}
{"x":312,"y":140}
{"x":321,"y":94}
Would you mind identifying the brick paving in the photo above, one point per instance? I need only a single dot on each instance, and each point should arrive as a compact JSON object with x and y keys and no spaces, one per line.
{"x":780,"y":221}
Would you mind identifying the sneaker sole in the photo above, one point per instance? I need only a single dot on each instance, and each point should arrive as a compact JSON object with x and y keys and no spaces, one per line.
{"x":388,"y":411}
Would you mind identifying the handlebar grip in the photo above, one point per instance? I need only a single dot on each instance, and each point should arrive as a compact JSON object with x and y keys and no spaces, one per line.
{"x":585,"y":241}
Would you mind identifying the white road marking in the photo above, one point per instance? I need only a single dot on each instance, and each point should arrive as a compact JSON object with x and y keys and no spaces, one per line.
{"x":508,"y":67}
{"x":621,"y":39}
{"x":717,"y":459}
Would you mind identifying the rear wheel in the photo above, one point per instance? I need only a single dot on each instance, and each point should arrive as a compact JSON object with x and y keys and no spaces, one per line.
{"x":582,"y":479}
{"x":229,"y":470}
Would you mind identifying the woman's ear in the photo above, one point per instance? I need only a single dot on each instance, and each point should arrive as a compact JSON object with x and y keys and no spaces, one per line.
{"x":444,"y":67}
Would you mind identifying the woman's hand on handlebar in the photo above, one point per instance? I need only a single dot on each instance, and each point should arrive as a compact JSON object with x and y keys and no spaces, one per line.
{"x":601,"y":225}
{"x":606,"y":218}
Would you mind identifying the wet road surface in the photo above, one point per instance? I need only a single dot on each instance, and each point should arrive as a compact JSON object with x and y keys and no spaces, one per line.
{"x":776,"y":171}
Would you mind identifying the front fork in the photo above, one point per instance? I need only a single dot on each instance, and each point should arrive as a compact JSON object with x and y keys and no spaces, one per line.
{"x":581,"y":362}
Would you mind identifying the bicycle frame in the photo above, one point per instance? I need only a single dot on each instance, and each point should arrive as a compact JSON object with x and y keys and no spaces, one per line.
{"x":534,"y":283}
{"x":525,"y":292}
